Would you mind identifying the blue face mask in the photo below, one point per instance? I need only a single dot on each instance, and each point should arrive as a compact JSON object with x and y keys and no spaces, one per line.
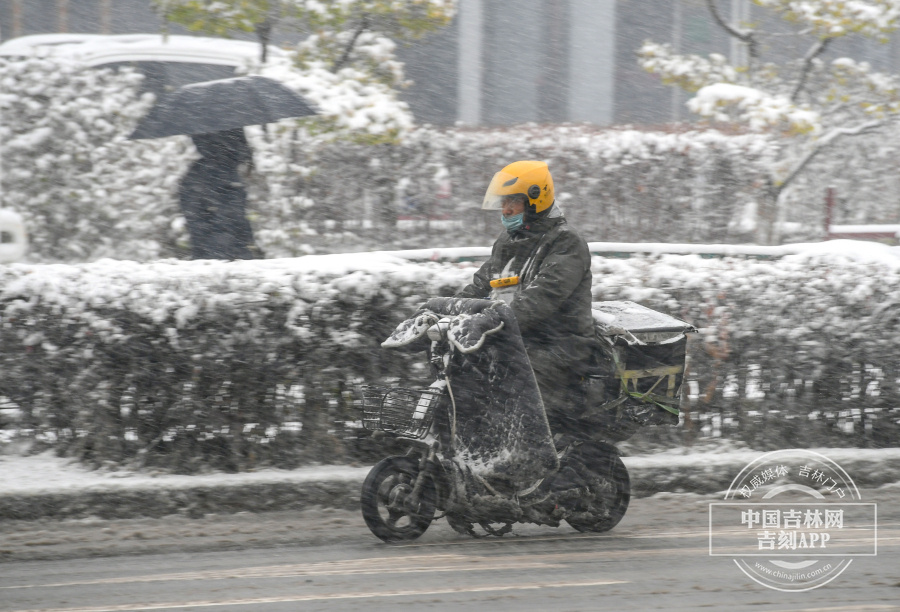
{"x":514,"y":222}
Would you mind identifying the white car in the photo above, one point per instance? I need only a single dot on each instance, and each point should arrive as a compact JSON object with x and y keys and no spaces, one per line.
{"x":167,"y":62}
{"x":13,"y":238}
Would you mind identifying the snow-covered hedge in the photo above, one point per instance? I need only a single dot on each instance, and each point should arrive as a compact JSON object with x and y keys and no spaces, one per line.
{"x":799,"y":351}
{"x":189,"y":364}
{"x":616,"y":185}
{"x":85,"y":191}
{"x":232,"y":365}
{"x":620,"y":185}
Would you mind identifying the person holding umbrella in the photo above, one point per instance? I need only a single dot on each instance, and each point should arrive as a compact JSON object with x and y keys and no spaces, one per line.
{"x":213,"y":199}
{"x":213,"y":113}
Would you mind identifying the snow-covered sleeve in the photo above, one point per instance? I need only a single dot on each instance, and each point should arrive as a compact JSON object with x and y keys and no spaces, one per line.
{"x":560,"y":273}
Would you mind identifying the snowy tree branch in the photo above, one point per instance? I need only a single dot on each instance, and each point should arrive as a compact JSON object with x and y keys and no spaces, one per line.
{"x":865,"y":128}
{"x":823,"y":143}
{"x":800,"y":98}
{"x":745,"y":36}
{"x":363,"y":26}
{"x":816,"y":50}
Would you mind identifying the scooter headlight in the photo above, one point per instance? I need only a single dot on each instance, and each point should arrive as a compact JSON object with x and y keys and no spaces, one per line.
{"x":434,"y":333}
{"x":438,"y":331}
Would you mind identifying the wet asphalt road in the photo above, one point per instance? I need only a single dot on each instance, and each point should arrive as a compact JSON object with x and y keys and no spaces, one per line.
{"x":657,"y":558}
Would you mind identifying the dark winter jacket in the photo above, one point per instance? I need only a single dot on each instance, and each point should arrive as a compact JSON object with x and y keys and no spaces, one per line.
{"x":552,"y":303}
{"x":213,"y":200}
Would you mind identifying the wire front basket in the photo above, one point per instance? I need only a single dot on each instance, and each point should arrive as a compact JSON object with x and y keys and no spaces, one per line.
{"x":398,"y":410}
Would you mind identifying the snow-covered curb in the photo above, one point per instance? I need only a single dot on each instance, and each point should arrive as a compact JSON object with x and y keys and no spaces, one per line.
{"x":48,"y":474}
{"x":46,"y":487}
{"x":680,"y":470}
{"x":682,"y":457}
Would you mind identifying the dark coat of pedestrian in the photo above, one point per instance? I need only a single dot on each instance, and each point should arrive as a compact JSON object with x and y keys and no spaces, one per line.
{"x":213,"y":199}
{"x":549,"y":291}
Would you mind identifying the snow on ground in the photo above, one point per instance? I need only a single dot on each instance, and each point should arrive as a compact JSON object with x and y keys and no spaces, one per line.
{"x":47,"y":473}
{"x":678,"y":457}
{"x":860,"y":251}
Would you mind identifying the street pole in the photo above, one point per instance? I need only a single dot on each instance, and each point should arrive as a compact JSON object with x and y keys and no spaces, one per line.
{"x":105,"y":17}
{"x":16,"y":19}
{"x":592,"y":66}
{"x":677,"y":28}
{"x":470,"y":24}
{"x":62,"y":16}
{"x":829,"y":211}
{"x":740,"y":14}
{"x":1,"y":117}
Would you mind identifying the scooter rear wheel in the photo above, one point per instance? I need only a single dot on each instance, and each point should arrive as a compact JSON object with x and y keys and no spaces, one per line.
{"x":610,"y":488}
{"x":386,"y":505}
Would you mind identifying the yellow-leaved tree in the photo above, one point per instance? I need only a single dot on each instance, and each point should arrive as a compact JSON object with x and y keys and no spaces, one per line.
{"x":809,"y":100}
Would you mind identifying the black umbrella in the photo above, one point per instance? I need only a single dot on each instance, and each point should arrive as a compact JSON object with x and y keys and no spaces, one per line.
{"x":216,"y":106}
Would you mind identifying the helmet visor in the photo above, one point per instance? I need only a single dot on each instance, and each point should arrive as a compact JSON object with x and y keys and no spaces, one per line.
{"x":503,"y":184}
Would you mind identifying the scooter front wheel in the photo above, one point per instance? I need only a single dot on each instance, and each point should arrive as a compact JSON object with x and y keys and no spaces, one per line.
{"x":388,"y":507}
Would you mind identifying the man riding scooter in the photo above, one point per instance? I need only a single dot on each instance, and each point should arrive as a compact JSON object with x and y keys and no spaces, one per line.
{"x":505,"y":433}
{"x":542,"y":269}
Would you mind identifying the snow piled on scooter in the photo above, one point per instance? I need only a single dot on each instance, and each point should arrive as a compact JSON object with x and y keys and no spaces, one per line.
{"x":501,"y":427}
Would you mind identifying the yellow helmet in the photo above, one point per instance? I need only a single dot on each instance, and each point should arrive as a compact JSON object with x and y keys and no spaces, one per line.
{"x":529,"y":178}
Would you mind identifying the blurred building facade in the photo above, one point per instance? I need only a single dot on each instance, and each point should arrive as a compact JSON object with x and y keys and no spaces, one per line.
{"x":504,"y":62}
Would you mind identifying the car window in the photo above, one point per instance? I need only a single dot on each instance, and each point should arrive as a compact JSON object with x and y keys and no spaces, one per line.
{"x":160,"y":77}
